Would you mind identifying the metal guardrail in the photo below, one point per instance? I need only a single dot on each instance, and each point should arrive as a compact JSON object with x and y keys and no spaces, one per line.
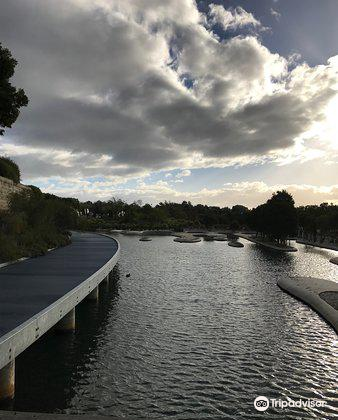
{"x":19,"y":339}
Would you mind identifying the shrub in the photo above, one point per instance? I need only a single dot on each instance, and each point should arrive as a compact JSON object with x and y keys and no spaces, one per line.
{"x":34,"y":223}
{"x":9,"y":169}
{"x":8,"y":249}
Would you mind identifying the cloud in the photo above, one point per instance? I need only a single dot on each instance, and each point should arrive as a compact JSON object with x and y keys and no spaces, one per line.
{"x":39,"y":161}
{"x":185,"y":172}
{"x":120,"y":89}
{"x":233,"y":18}
{"x":246,"y":193}
{"x":275,"y":13}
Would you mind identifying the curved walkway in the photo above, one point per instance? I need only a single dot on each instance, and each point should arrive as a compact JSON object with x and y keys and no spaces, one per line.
{"x":269,"y":245}
{"x":320,"y":294}
{"x":38,"y":292}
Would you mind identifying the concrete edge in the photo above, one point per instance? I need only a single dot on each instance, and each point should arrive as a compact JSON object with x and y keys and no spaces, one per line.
{"x":7,"y":263}
{"x":266,"y":245}
{"x":327,"y":246}
{"x":16,"y":341}
{"x":307,"y":289}
{"x":236,"y":244}
{"x":334,"y":260}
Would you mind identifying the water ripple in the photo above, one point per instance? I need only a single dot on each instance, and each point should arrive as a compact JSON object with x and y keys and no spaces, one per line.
{"x":200,"y":331}
{"x":197,"y":331}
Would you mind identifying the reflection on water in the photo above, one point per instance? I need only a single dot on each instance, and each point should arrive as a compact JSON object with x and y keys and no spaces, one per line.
{"x":48,"y":373}
{"x":196,"y":331}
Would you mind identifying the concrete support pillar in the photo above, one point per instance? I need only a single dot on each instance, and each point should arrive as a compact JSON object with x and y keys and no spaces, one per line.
{"x":7,"y":382}
{"x":105,"y":284}
{"x":93,"y":295}
{"x":67,"y":323}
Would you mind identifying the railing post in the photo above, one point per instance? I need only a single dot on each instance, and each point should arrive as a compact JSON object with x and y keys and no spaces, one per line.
{"x":7,"y":382}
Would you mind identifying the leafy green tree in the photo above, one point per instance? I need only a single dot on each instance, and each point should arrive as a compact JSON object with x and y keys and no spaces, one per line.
{"x":11,"y":98}
{"x":277,"y":218}
{"x":318,"y":223}
{"x":282,"y":216}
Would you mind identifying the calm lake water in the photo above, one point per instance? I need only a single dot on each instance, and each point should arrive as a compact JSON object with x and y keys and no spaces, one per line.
{"x":197,"y":331}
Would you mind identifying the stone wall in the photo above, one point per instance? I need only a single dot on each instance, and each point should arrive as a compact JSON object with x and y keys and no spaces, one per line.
{"x":7,"y":187}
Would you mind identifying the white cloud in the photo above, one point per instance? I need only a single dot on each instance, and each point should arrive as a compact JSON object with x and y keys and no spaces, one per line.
{"x":232,"y":18}
{"x":248,"y":193}
{"x":184,"y":173}
{"x":275,"y":13}
{"x":121,"y":88}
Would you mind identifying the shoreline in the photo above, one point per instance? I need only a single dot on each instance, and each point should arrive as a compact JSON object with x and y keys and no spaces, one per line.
{"x":323,"y":245}
{"x":269,"y":245}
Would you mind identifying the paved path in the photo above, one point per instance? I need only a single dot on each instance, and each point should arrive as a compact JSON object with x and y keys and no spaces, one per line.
{"x":320,"y":294}
{"x":269,"y":245}
{"x":29,"y":286}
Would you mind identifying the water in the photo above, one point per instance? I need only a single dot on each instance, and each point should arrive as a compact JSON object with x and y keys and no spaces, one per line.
{"x":197,"y":331}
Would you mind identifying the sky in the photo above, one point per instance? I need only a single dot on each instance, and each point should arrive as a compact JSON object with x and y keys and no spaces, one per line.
{"x":216,"y":102}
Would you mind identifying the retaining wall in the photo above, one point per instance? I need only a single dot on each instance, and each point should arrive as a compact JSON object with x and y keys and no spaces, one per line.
{"x":8,"y":187}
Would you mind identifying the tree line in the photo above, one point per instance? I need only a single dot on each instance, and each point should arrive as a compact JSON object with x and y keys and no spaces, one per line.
{"x":117,"y":214}
{"x":35,"y":222}
{"x":276,"y":220}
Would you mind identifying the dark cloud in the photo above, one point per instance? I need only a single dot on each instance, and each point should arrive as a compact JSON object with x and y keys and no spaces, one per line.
{"x":105,"y":79}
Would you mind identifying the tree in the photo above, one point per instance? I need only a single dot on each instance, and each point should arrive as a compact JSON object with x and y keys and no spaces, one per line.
{"x":277,"y":218}
{"x":11,"y":98}
{"x":318,"y":223}
{"x":282,"y":216}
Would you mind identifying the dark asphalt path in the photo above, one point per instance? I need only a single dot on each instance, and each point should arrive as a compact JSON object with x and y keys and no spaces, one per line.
{"x":28,"y":287}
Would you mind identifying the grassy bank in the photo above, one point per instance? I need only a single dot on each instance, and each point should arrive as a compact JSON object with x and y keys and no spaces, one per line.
{"x":34,"y":223}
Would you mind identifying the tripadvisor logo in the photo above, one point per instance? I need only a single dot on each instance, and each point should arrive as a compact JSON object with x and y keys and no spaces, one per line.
{"x":262,"y":403}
